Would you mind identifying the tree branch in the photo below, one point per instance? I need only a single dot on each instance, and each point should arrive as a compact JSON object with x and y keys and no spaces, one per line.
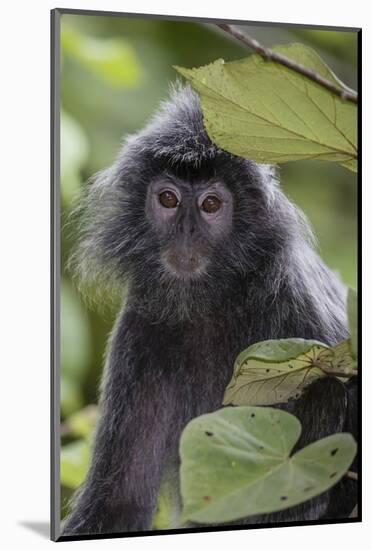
{"x":271,"y":55}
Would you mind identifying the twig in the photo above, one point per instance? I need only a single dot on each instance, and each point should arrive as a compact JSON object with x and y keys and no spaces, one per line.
{"x":271,"y":55}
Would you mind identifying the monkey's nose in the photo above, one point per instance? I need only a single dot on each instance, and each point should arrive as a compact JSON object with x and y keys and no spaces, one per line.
{"x":182,"y":263}
{"x":186,"y":262}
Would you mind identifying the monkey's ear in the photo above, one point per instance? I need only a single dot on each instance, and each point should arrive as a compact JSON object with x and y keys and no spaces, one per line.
{"x":269,"y":179}
{"x":269,"y":173}
{"x":93,"y":225}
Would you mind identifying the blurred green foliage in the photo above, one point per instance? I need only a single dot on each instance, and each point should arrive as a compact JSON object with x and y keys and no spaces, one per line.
{"x":114,"y":73}
{"x":74,"y":463}
{"x":74,"y":155}
{"x":111,"y":59}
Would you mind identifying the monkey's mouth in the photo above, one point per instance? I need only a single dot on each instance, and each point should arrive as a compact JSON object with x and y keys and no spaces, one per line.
{"x":184,"y":264}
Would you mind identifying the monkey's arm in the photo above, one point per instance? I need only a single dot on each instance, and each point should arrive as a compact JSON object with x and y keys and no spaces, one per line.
{"x":120,"y":491}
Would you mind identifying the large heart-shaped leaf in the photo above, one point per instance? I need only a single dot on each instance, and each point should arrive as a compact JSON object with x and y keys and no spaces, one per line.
{"x":266,"y":112}
{"x":274,"y":371}
{"x":236,"y":462}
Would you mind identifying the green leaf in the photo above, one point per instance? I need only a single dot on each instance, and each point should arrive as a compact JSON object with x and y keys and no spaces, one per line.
{"x":236,"y":462}
{"x":341,"y":361}
{"x":111,"y":59}
{"x":275,"y":371}
{"x":350,"y":164}
{"x":74,"y":463}
{"x":353,"y":320}
{"x":265,"y":112}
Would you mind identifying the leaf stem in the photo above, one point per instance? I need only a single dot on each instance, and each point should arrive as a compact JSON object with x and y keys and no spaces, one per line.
{"x":340,"y":374}
{"x":271,"y":55}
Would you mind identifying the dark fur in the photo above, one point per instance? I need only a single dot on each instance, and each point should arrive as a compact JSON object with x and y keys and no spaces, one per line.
{"x":172,"y":351}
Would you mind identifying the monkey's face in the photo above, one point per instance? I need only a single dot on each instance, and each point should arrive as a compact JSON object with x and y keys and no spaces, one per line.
{"x":189,"y":221}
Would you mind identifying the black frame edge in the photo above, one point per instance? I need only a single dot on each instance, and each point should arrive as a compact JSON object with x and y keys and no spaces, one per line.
{"x":169,"y":17}
{"x":56,"y":273}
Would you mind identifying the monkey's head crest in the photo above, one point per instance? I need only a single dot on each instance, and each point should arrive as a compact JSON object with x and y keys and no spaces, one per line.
{"x":177,"y":216}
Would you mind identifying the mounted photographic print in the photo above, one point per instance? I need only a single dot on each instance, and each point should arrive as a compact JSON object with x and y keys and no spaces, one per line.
{"x":204,"y":278}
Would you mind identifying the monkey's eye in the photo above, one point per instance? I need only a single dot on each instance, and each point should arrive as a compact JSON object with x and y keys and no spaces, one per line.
{"x":168,"y":199}
{"x":211,"y":204}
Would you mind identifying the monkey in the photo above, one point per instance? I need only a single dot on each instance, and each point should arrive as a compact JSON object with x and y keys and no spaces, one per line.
{"x":214,"y":257}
